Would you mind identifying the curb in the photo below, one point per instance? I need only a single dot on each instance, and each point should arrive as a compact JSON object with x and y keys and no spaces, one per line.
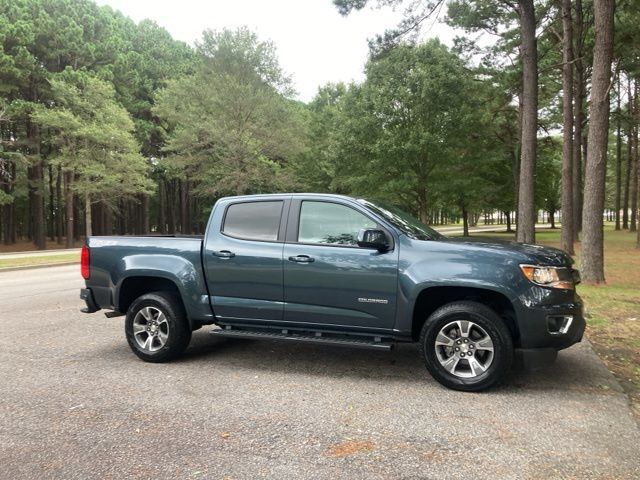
{"x":37,"y":253}
{"x":42,"y":265}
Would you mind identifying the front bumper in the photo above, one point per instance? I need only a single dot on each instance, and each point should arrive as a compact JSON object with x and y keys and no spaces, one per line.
{"x":550,"y":328}
{"x":87,"y":295}
{"x":553,"y":324}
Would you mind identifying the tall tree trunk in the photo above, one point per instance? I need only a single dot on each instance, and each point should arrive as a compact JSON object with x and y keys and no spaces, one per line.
{"x":108,"y":220}
{"x":184,"y":207}
{"x":129,"y":218}
{"x":9,"y":224}
{"x":595,"y":172}
{"x":70,"y":210}
{"x":515,"y":160}
{"x":567,"y":235}
{"x":579,"y":96}
{"x":134,"y":217}
{"x":633,"y":191}
{"x":52,"y":210}
{"x":7,"y":183}
{"x":122,"y":227}
{"x":627,"y":177}
{"x":87,"y":216}
{"x":529,"y":55}
{"x":638,"y":181}
{"x":103,"y":217}
{"x":100,"y":218}
{"x":422,"y":205}
{"x":78,"y":227}
{"x":139,"y":215}
{"x":36,"y":188}
{"x":618,"y":157}
{"x":635,"y":170}
{"x":96,"y":214}
{"x":196,"y":215}
{"x":627,"y":180}
{"x":507,"y":215}
{"x":134,"y":213}
{"x":638,"y":232}
{"x":59,"y":216}
{"x":145,"y":213}
{"x":465,"y":222}
{"x":171,"y":206}
{"x":162,"y":212}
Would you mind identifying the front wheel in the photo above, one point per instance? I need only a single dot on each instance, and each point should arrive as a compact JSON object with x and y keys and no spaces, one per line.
{"x":466,"y":346}
{"x":157,"y":328}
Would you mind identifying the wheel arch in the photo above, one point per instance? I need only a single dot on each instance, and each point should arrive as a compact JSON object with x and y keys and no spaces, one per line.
{"x":431,"y":298}
{"x":134,"y":286}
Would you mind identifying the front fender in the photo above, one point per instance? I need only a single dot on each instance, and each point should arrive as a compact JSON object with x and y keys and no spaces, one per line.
{"x":425,"y":265}
{"x":500,"y":279}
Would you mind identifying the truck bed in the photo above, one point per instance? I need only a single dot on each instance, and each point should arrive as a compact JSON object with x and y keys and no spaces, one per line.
{"x":133,"y":259}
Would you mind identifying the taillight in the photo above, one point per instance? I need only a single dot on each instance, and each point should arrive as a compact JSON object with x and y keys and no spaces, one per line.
{"x":84,"y":262}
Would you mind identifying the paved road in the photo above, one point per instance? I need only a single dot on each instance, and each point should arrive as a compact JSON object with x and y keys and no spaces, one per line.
{"x":76,"y":403}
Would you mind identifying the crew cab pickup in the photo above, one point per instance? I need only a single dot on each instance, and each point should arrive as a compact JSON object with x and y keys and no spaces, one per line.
{"x":337,"y":270}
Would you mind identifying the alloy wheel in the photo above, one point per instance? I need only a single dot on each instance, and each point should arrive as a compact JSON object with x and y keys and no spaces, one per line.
{"x":150,"y":329}
{"x":464,"y":349}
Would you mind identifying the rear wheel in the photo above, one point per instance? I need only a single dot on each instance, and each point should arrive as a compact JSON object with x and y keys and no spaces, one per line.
{"x":466,"y":346}
{"x":157,"y":328}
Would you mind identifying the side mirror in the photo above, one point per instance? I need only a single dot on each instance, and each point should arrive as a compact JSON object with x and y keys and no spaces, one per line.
{"x":373,"y":238}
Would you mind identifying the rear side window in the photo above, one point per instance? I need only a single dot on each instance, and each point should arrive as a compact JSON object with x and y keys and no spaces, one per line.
{"x":253,"y":220}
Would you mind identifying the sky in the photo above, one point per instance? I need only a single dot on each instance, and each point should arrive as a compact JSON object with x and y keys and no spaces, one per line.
{"x":315,"y":44}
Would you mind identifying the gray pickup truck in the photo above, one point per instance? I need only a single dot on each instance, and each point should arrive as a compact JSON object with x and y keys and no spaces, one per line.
{"x":337,"y":270}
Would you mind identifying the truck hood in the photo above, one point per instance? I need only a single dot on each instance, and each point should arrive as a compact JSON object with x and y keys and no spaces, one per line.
{"x":534,"y":254}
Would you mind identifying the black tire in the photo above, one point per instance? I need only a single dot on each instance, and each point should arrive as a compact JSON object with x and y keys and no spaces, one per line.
{"x":482,"y":316}
{"x":176,"y":329}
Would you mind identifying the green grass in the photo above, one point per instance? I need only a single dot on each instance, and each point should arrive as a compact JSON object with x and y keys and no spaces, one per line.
{"x":54,"y":258}
{"x":612,"y":309}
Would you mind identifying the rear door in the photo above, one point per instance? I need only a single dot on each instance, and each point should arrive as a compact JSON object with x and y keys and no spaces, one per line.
{"x":242,"y":258}
{"x":328,"y":279}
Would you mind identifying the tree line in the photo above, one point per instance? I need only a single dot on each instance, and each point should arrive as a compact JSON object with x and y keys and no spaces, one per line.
{"x":112,"y":127}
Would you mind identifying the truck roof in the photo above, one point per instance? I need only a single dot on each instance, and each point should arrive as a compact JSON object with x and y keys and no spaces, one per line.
{"x":267,"y":195}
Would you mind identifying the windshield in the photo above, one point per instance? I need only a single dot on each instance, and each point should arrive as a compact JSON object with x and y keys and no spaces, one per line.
{"x":405,"y":222}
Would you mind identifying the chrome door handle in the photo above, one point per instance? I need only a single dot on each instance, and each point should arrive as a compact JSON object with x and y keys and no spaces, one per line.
{"x":302,"y":259}
{"x":224,"y":254}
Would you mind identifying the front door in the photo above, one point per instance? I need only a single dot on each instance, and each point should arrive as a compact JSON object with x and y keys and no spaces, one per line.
{"x":328,"y":279}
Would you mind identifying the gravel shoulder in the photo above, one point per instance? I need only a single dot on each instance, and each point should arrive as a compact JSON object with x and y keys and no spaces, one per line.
{"x":76,"y":403}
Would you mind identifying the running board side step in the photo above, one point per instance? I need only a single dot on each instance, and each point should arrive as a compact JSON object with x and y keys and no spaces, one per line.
{"x":375,"y":343}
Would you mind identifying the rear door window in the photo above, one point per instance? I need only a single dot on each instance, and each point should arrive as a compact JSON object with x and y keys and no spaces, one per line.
{"x":253,"y":220}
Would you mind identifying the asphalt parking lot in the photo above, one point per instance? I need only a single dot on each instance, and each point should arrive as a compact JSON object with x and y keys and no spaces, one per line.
{"x":76,"y":403}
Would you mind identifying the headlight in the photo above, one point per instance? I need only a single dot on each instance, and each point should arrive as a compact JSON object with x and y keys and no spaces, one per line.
{"x":554,"y":277}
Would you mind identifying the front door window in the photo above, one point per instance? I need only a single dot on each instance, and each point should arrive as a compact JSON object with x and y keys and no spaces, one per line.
{"x":327,"y":223}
